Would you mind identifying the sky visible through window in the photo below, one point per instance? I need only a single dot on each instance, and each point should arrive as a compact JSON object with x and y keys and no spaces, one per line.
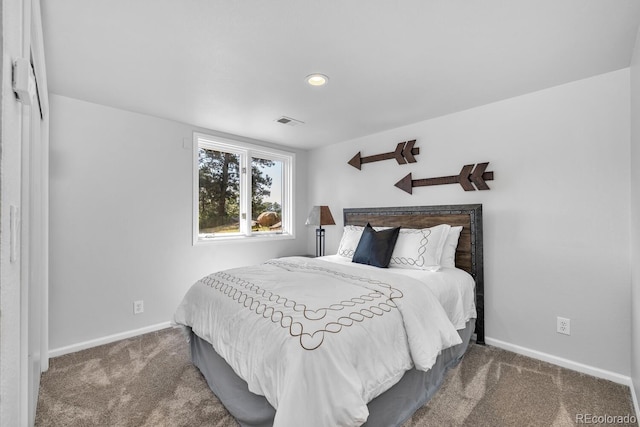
{"x":275,"y":173}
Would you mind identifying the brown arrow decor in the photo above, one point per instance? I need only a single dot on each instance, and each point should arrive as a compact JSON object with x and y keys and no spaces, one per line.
{"x":467,"y":178}
{"x":403,"y":154}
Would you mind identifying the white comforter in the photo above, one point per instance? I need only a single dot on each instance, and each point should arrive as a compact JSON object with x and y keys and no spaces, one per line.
{"x":319,"y":340}
{"x":454,"y":288}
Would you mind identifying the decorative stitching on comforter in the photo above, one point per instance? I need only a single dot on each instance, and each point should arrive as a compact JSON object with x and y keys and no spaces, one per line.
{"x":229,"y":285}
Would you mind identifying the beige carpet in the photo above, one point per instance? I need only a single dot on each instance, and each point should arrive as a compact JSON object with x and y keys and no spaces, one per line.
{"x":149,"y":381}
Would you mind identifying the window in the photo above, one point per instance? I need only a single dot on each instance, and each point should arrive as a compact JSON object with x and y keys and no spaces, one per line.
{"x":240,"y":190}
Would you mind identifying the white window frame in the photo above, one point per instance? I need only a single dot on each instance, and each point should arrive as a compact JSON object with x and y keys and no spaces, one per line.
{"x":246,"y":151}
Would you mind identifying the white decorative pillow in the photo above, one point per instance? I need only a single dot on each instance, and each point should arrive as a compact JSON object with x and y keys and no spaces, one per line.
{"x":450,"y":245}
{"x":350,"y":239}
{"x":420,"y":248}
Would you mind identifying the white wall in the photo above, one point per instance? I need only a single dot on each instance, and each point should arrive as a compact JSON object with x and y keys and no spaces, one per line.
{"x":635,"y":219}
{"x":556,"y":218}
{"x":120,"y":221}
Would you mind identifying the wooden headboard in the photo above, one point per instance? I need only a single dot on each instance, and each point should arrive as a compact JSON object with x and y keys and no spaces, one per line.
{"x":469,"y":256}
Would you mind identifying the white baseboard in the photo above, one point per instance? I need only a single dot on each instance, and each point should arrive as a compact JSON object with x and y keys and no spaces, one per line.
{"x":636,"y":406}
{"x":106,"y":340}
{"x":565,"y":363}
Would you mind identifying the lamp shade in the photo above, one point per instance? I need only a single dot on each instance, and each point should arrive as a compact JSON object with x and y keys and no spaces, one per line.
{"x":320,"y":215}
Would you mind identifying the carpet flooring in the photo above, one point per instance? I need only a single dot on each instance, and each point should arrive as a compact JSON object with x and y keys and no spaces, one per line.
{"x":149,"y":381}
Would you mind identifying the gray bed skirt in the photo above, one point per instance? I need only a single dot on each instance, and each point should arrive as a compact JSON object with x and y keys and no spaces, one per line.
{"x":391,"y":408}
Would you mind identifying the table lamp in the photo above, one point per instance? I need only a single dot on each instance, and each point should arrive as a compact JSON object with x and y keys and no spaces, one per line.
{"x":320,"y":215}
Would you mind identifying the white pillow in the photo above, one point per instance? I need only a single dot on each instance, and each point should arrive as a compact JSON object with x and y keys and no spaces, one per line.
{"x":349,"y":242}
{"x":351,"y":235}
{"x":450,"y":245}
{"x":420,"y":248}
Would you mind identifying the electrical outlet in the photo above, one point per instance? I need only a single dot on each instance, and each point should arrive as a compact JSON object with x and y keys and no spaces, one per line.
{"x":138,"y":307}
{"x":563,"y":326}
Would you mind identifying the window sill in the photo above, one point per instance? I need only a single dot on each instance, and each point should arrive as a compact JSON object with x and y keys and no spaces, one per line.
{"x":235,"y":239}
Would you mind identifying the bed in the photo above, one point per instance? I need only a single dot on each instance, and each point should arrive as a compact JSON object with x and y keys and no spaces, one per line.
{"x":337,"y":357}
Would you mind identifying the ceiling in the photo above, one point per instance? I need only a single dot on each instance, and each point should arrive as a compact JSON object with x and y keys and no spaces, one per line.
{"x":236,"y":66}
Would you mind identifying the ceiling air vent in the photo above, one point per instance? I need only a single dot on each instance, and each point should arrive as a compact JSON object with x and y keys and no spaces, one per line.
{"x":289,"y":121}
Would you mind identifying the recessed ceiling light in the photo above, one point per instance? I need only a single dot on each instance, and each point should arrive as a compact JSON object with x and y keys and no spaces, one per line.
{"x":317,"y":79}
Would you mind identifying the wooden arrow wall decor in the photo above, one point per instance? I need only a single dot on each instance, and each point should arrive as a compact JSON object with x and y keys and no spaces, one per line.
{"x":403,"y":154}
{"x":467,"y":178}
